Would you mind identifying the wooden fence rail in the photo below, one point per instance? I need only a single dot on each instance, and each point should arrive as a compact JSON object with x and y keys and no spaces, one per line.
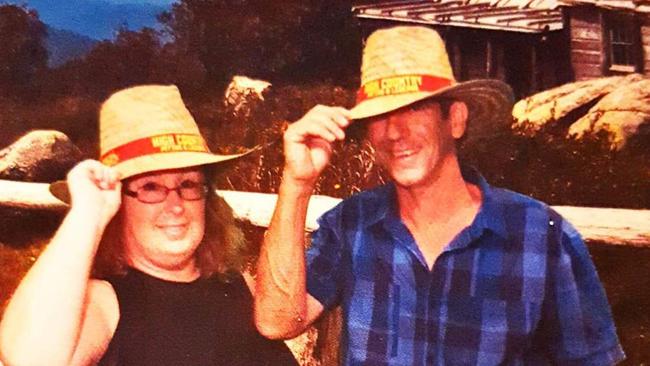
{"x":613,"y":226}
{"x":606,"y":225}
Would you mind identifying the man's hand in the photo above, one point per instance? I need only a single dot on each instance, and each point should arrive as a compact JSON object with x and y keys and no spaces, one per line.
{"x":96,"y":189}
{"x":283,"y":308}
{"x":308,"y":142}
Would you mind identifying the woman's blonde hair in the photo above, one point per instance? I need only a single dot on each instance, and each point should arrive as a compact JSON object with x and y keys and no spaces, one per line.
{"x":223,"y":250}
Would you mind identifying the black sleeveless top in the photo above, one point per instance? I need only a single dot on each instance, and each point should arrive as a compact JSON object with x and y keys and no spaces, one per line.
{"x":204,"y":322}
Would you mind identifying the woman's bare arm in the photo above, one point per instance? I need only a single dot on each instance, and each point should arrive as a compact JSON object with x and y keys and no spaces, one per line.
{"x":43,"y":320}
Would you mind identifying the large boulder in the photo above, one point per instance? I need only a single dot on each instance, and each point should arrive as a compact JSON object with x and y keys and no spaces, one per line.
{"x":39,"y":156}
{"x":618,"y":106}
{"x":622,"y":114}
{"x":550,"y":106}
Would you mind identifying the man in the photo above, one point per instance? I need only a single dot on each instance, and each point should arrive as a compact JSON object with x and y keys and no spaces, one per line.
{"x":436,"y":267}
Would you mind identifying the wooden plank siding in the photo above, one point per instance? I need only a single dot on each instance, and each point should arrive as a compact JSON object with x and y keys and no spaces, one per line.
{"x":587,"y":71}
{"x":587,"y":56}
{"x":586,"y":45}
{"x":645,"y":44}
{"x":585,"y":25}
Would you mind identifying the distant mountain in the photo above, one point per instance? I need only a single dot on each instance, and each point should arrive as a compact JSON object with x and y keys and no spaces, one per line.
{"x":63,"y":46}
{"x":164,"y":3}
{"x":98,"y":19}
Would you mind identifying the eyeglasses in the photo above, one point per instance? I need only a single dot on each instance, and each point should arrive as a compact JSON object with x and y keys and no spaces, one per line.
{"x":152,"y":192}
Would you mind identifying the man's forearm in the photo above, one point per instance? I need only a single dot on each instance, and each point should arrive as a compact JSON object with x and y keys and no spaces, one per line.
{"x":281,"y":297}
{"x":282,"y":306}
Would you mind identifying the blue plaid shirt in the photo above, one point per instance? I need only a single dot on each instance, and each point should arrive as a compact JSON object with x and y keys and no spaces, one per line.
{"x":516,"y":287}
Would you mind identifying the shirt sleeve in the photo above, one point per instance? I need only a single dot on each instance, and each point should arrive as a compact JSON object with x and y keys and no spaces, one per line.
{"x":577,"y":320}
{"x":325,"y":262}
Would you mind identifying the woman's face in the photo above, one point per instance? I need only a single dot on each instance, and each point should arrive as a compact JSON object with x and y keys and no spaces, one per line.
{"x":161,"y":238}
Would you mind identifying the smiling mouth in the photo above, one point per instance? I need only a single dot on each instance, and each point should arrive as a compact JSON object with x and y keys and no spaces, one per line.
{"x":174,"y":231}
{"x":402,"y":154}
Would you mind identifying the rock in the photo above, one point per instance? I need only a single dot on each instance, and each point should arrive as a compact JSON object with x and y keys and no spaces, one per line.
{"x":552,"y":105}
{"x":39,"y":156}
{"x":242,"y":92}
{"x":621,"y":114}
{"x":618,"y":105}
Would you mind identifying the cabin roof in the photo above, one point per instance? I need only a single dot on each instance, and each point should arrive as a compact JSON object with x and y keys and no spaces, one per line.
{"x":528,"y":16}
{"x":639,"y":6}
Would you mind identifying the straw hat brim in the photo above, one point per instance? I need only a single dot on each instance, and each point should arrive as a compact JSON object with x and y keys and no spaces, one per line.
{"x":489,"y":103}
{"x":151,"y":163}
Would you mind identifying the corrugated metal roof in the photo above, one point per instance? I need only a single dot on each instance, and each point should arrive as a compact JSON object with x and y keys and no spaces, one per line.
{"x":639,"y":6}
{"x":530,"y":16}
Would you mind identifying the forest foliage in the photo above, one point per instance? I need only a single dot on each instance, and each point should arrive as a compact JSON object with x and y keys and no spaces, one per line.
{"x":310,"y":45}
{"x":310,"y":51}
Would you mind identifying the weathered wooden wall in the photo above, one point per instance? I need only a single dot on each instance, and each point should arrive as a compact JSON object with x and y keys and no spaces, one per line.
{"x":645,"y":42}
{"x":529,"y":63}
{"x":586,"y":34}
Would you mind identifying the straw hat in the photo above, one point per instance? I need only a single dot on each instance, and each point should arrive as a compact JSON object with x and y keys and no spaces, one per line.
{"x":406,"y":64}
{"x":148,"y":128}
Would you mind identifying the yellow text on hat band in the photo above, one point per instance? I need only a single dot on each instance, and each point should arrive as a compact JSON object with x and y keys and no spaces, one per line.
{"x":172,"y":142}
{"x":400,"y":85}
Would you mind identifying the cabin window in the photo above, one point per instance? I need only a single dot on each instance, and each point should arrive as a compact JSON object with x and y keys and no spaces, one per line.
{"x":623,"y":43}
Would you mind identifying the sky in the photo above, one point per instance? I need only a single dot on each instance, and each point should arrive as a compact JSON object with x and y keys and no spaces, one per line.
{"x":97,"y":19}
{"x":155,"y":2}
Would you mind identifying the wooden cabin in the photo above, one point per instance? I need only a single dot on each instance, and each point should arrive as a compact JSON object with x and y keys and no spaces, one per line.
{"x":609,"y":37}
{"x":521,"y":42}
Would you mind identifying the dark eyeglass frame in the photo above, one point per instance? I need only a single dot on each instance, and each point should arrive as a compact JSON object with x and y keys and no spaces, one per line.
{"x":179,"y":190}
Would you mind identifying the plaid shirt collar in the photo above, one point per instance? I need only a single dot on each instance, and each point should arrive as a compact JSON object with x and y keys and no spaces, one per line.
{"x":490,"y":216}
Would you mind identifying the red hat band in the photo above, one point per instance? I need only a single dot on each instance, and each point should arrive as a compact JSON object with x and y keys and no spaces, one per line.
{"x":172,"y":142}
{"x":401,"y":84}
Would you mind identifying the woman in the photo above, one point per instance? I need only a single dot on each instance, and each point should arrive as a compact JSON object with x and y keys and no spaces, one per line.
{"x":145,"y":267}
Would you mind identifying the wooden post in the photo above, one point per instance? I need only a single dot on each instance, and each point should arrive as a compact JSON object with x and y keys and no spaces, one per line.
{"x":457,"y":62}
{"x":489,"y":59}
{"x":533,"y":68}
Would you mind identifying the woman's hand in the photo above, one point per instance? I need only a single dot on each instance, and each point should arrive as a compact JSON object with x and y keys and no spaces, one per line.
{"x":95,"y":189}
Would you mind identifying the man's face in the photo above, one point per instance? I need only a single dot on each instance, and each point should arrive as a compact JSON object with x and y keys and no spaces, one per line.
{"x":412,"y":143}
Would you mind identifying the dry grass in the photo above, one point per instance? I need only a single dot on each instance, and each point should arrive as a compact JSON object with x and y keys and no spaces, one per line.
{"x":15,"y":261}
{"x":23,"y":234}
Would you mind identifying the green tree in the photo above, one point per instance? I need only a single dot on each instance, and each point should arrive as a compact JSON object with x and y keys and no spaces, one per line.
{"x":132,"y":58}
{"x":301,"y":40}
{"x":23,"y":55}
{"x":332,"y":43}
